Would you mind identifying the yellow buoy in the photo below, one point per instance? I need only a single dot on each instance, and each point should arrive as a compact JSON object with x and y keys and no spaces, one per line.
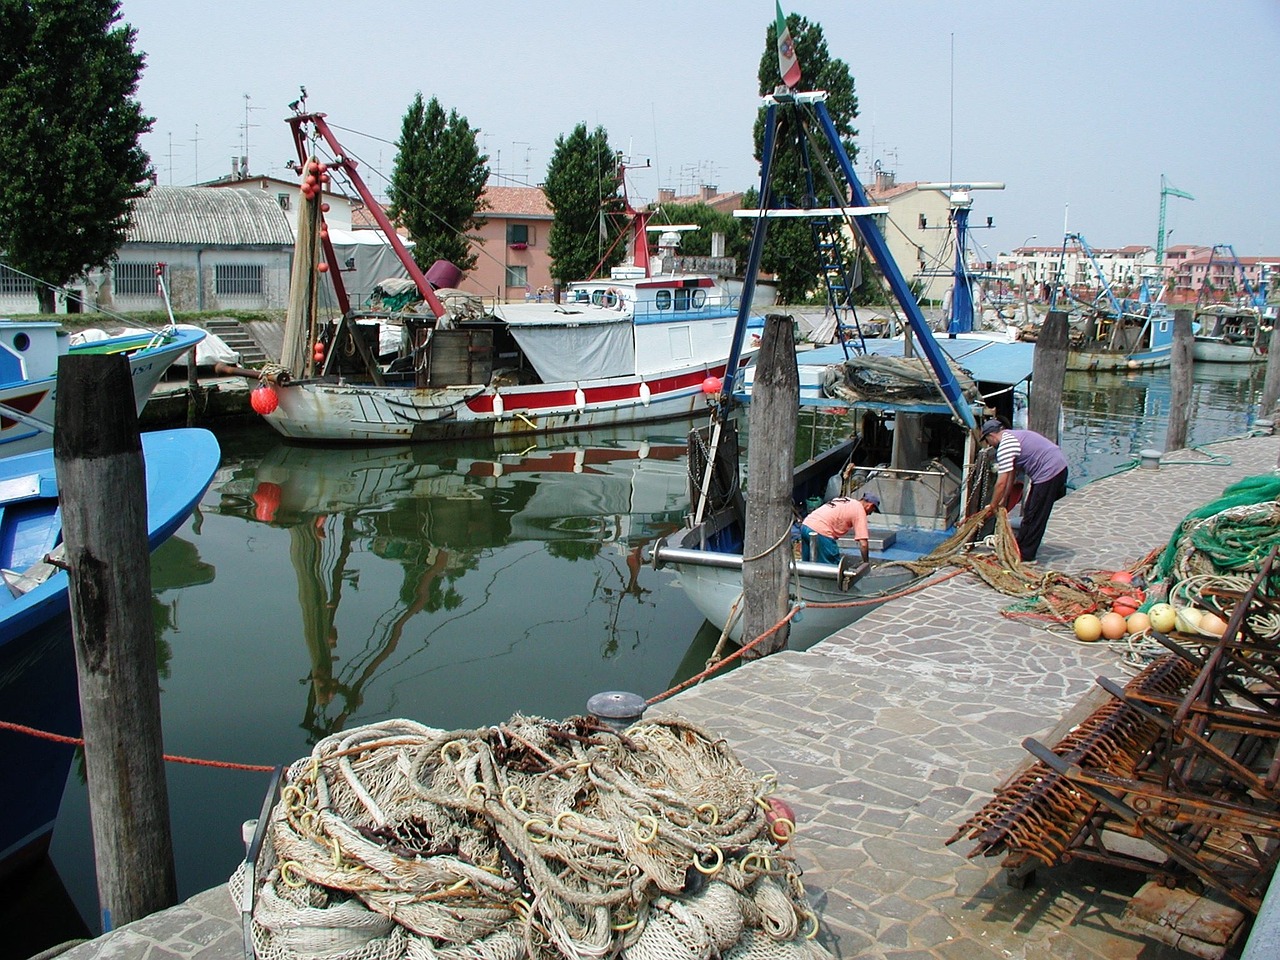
{"x":1087,"y":627}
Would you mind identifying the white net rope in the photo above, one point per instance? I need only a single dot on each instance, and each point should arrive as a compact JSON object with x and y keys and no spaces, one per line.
{"x":529,"y":839}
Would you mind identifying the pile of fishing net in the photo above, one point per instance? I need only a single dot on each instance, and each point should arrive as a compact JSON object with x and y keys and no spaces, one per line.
{"x":529,"y":839}
{"x":868,"y":377}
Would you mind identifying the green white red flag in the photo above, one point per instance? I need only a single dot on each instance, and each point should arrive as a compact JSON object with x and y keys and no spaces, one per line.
{"x":788,"y":64}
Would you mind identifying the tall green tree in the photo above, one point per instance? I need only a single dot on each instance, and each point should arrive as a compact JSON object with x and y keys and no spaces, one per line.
{"x":437,"y":183}
{"x":70,"y":163}
{"x":584,"y":189}
{"x":789,"y":249}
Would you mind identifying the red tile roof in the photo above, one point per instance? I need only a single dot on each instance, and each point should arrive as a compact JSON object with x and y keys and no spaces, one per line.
{"x":517,"y":202}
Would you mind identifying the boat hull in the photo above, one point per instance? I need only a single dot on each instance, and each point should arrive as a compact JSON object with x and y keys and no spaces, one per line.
{"x":35,"y":399}
{"x":180,"y":464}
{"x":331,"y":411}
{"x":1101,"y":362}
{"x":1218,"y":350}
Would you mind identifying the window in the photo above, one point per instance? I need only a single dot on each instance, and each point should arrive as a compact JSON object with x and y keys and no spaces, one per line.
{"x":518,"y":234}
{"x":517,"y":276}
{"x":682,"y":299}
{"x":283,"y":200}
{"x":134,"y":279}
{"x":663,"y":299}
{"x":12,"y":282}
{"x":237,"y":279}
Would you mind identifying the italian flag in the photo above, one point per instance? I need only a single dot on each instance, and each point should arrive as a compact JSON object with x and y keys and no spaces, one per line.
{"x":788,"y":65}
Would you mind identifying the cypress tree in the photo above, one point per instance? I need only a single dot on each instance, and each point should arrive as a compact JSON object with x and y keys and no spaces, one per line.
{"x":583,"y":189}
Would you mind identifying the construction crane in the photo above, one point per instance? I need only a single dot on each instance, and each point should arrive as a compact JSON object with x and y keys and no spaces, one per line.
{"x":1166,"y":192}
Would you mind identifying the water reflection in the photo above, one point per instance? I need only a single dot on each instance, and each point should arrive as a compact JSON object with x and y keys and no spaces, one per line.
{"x":392,"y":547}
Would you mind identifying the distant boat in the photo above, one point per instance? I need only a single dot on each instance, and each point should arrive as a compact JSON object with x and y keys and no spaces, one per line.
{"x":29,"y":353}
{"x":1108,"y":332}
{"x":633,"y":347}
{"x":179,"y":467}
{"x":1233,"y":331}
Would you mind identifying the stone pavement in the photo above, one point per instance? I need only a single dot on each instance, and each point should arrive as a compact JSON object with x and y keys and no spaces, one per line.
{"x":887,"y":735}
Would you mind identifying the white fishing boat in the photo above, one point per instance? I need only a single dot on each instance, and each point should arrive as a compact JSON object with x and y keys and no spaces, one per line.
{"x":1232,"y":334}
{"x":636,"y":346}
{"x":29,"y":354}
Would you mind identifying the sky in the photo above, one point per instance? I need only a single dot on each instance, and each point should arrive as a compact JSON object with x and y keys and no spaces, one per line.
{"x":1079,"y":108}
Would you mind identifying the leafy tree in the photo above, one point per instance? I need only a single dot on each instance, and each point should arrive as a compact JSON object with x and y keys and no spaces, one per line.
{"x":789,"y":249}
{"x":583,"y":188}
{"x":70,"y":164}
{"x":437,"y":183}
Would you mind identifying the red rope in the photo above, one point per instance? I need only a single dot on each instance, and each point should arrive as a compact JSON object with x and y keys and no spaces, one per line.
{"x":79,"y":742}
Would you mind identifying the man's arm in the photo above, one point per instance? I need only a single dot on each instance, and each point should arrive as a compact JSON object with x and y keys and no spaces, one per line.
{"x":864,"y":546}
{"x":1004,"y":486}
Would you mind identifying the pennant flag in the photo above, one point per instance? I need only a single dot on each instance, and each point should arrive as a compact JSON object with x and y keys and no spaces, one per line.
{"x":788,"y":65}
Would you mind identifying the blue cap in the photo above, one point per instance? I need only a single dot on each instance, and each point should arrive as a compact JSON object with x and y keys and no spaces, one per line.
{"x":871,"y":498}
{"x":990,"y":427}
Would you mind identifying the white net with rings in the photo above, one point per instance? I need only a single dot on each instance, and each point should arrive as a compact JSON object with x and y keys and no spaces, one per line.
{"x":533,"y":839}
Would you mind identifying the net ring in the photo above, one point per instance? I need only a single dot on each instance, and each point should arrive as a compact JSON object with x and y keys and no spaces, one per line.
{"x":712,"y":814}
{"x":291,"y":874}
{"x":649,"y":835}
{"x":717,"y":862}
{"x":542,"y":826}
{"x":514,"y":789}
{"x":564,"y":815}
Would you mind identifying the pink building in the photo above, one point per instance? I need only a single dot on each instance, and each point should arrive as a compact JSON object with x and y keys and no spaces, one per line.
{"x":512,"y":260}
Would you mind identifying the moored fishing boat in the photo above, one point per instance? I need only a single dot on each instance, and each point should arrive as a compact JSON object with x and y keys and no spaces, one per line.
{"x":633,"y":347}
{"x":179,"y":466}
{"x":29,"y":353}
{"x":1231,"y":334}
{"x":913,"y":447}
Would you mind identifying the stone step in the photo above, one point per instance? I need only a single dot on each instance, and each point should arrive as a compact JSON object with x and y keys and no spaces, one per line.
{"x":239,"y":339}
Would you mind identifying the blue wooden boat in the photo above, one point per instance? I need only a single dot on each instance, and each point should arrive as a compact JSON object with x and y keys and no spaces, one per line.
{"x":29,"y":354}
{"x":179,"y":467}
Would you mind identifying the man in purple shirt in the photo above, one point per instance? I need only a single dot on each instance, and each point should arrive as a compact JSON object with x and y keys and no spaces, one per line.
{"x":1045,"y":467}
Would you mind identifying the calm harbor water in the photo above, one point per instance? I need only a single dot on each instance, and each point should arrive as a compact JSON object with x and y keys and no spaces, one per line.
{"x":456,"y":584}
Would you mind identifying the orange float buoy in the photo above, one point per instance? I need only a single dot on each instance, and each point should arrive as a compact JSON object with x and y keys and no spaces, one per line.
{"x":1087,"y":627}
{"x":781,"y":819}
{"x":1113,"y":626}
{"x":264,"y":400}
{"x":266,"y":501}
{"x":322,"y":267}
{"x":1125,"y":605}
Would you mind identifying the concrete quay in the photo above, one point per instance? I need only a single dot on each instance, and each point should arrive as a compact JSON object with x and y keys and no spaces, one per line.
{"x":888,"y":735}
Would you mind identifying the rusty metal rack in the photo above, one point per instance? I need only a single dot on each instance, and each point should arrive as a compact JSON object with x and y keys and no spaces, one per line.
{"x":1183,"y":759}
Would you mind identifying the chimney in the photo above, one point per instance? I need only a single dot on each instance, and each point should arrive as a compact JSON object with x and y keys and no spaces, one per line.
{"x":884,"y":180}
{"x":707,"y":191}
{"x":666,"y":195}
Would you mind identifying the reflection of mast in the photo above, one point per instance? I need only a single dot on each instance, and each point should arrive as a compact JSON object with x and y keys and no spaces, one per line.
{"x":319,"y":605}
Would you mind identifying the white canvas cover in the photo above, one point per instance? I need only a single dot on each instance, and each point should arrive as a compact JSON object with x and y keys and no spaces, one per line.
{"x":571,"y":346}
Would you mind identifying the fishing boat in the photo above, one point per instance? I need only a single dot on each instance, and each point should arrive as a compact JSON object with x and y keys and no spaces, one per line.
{"x":29,"y":354}
{"x":1236,"y":330}
{"x":1109,"y":332}
{"x":179,"y":467}
{"x":914,"y":445}
{"x":632,"y":347}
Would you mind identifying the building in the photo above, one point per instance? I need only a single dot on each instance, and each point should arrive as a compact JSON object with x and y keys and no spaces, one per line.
{"x":513,"y":258}
{"x":917,"y":230}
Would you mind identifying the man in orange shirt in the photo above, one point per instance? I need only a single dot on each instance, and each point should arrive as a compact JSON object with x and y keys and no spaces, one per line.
{"x":833,"y":520}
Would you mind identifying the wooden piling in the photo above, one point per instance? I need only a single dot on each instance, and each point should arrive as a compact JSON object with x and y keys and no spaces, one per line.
{"x":101,"y":478}
{"x":1271,"y":382}
{"x":1048,"y":372}
{"x":1180,"y":364}
{"x":767,"y":556}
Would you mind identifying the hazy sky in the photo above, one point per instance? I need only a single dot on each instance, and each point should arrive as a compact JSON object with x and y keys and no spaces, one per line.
{"x":1079,"y":107}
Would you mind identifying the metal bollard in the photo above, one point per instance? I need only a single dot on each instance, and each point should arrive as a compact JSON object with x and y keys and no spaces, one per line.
{"x":617,"y":709}
{"x":1264,"y":427}
{"x":1150,"y":459}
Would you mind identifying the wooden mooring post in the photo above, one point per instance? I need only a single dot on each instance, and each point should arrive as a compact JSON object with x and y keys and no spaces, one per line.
{"x":1048,"y":372}
{"x":101,"y":479}
{"x":1271,"y":382}
{"x":766,"y":554}
{"x":1180,"y":365}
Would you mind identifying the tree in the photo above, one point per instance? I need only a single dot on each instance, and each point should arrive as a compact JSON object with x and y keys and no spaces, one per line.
{"x":583,"y":187}
{"x":70,"y":163}
{"x":789,"y":249}
{"x":697,"y":243}
{"x":437,"y":183}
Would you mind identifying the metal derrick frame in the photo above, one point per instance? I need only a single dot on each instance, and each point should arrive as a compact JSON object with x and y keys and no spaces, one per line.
{"x":1196,"y":774}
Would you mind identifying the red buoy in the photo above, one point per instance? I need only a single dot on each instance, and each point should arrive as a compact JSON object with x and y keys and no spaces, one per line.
{"x":266,"y":501}
{"x":781,"y":820}
{"x":712,"y":385}
{"x":263,"y":400}
{"x":322,"y":267}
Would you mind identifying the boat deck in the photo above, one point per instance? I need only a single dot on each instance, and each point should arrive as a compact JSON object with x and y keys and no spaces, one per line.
{"x":889,"y":734}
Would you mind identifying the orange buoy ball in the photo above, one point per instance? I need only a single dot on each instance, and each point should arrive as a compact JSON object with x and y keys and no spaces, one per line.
{"x":264,"y":400}
{"x":324,"y":178}
{"x":324,"y":208}
{"x":266,"y":501}
{"x":1113,"y":625}
{"x":322,"y":267}
{"x":781,"y":820}
{"x":1122,"y":576}
{"x":1163,"y":617}
{"x":1125,"y":605}
{"x":1087,"y":627}
{"x":1137,"y":622}
{"x":712,"y":385}
{"x":1212,"y":624}
{"x":313,"y":166}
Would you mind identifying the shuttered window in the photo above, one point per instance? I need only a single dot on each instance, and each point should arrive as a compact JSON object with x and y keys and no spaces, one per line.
{"x":237,"y":279}
{"x":12,"y":282}
{"x":134,"y":279}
